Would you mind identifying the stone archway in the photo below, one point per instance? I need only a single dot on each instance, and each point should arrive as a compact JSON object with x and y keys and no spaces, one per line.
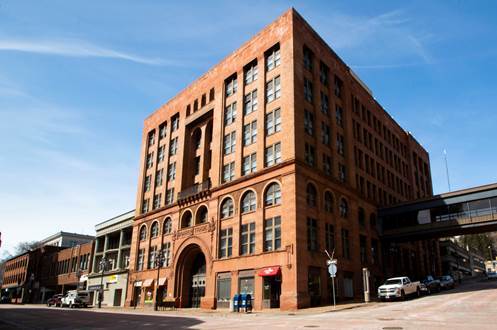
{"x":190,"y":277}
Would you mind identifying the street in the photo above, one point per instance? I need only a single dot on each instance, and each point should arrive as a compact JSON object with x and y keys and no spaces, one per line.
{"x":471,"y":305}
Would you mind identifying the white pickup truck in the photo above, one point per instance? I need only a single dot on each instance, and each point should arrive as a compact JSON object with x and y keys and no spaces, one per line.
{"x":75,"y":298}
{"x":398,"y":287}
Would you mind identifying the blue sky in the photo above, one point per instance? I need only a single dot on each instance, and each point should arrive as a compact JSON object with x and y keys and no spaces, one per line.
{"x":77,"y":78}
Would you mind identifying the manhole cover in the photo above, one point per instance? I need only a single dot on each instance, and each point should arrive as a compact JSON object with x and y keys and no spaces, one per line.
{"x":311,"y":326}
{"x":385,"y":319}
{"x":292,"y":314}
{"x":393,"y":328}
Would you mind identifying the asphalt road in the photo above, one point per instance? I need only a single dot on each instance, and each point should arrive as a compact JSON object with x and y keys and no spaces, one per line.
{"x":470,"y":306}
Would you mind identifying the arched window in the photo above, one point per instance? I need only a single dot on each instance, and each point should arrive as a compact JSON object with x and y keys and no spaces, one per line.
{"x":344,"y":208}
{"x":361,"y":217}
{"x":154,"y":230}
{"x":143,"y":233}
{"x":328,"y":202}
{"x":311,"y":195}
{"x":372,"y":220}
{"x":168,"y":226}
{"x":201,"y":215}
{"x":273,"y":195}
{"x":186,"y":219}
{"x":248,"y":201}
{"x":227,"y":208}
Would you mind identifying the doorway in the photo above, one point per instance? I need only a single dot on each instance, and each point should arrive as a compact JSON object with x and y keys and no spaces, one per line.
{"x":272,"y":291}
{"x":118,"y":293}
{"x":191,"y":277}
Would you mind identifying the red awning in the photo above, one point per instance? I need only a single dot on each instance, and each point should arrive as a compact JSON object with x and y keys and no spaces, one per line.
{"x":269,"y":271}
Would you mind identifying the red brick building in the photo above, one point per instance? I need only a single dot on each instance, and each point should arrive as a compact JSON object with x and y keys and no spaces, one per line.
{"x":248,"y":174}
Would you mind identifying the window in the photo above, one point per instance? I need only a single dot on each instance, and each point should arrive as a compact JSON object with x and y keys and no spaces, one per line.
{"x":152,"y":253}
{"x":273,"y":122}
{"x":230,"y":114}
{"x":311,"y":195}
{"x":323,"y":73}
{"x":186,"y":219}
{"x":251,"y":72}
{"x":167,"y":254}
{"x":162,"y":131}
{"x":248,"y":201}
{"x":308,"y":90}
{"x":171,"y":172}
{"x":227,"y":208}
{"x":338,"y":87}
{"x":160,"y":154}
{"x":329,"y":237}
{"x":249,"y":164}
{"x":229,"y":143}
{"x":339,"y":116}
{"x":145,"y":206}
{"x":328,"y":202}
{"x":148,"y":182}
{"x":196,"y":165}
{"x":362,"y":250}
{"x":327,"y":165}
{"x":273,"y":89}
{"x":273,"y":195}
{"x":141,"y":259}
{"x":154,"y":230}
{"x":342,"y":173}
{"x":175,"y":122}
{"x":325,"y":134}
{"x":169,"y":196}
{"x":372,"y":220}
{"x":231,"y":85}
{"x":272,"y":234}
{"x":309,"y":122}
{"x":158,"y":177}
{"x":345,"y":244}
{"x":202,"y":215}
{"x":273,"y":58}
{"x":340,"y":145}
{"x":361,"y":217}
{"x":374,"y":251}
{"x":343,"y":208}
{"x":250,"y":102}
{"x":150,"y":160}
{"x":229,"y":172}
{"x":250,"y":133}
{"x":273,"y":155}
{"x":211,"y":95}
{"x":168,"y":226}
{"x":247,"y":240}
{"x":173,"y":147}
{"x":225,"y":243}
{"x":310,"y":154}
{"x":325,"y":103}
{"x":312,"y":234}
{"x":157,"y":199}
{"x":308,"y":56}
{"x":151,"y":138}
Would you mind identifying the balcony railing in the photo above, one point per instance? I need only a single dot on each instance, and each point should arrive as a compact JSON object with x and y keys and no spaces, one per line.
{"x":195,"y":190}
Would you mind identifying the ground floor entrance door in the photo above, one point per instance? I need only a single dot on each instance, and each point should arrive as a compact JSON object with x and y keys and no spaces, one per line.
{"x":272,"y":291}
{"x":198,"y":289}
{"x":137,"y":296}
{"x":118,"y":293}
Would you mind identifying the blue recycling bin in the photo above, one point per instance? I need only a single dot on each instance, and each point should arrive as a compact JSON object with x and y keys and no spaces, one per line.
{"x":248,"y":304}
{"x":243,"y":304}
{"x":236,"y":302}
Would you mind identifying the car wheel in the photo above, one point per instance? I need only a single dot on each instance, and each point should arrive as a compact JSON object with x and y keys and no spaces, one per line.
{"x":71,"y":305}
{"x":402,"y":295}
{"x":428,"y":291}
{"x":418,"y":292}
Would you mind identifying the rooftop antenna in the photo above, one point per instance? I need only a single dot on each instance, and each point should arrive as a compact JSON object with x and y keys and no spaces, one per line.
{"x":447,"y":168}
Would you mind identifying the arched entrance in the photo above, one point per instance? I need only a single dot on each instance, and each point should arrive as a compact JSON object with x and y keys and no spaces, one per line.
{"x":190,"y":277}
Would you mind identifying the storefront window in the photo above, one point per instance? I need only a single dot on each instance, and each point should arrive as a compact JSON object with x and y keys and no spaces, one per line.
{"x":223,"y":290}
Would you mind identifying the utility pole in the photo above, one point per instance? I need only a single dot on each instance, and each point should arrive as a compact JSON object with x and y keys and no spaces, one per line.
{"x":447,"y":168}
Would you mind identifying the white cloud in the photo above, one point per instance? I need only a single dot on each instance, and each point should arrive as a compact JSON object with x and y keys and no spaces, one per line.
{"x":75,"y":48}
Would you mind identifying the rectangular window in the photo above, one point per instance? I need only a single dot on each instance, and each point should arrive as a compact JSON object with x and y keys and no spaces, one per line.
{"x":250,"y":102}
{"x":162,"y":130}
{"x":310,"y":155}
{"x":338,"y":87}
{"x":312,"y":234}
{"x":171,"y":172}
{"x":157,"y":199}
{"x":340,"y":145}
{"x":362,"y":249}
{"x":140,"y":259}
{"x":225,"y":243}
{"x":273,"y":89}
{"x":173,"y":147}
{"x":167,"y":254}
{"x":169,"y":196}
{"x":325,"y":103}
{"x":250,"y":133}
{"x":150,"y":160}
{"x":273,"y":58}
{"x":273,"y":122}
{"x":151,"y":138}
{"x":175,"y":122}
{"x":197,"y":165}
{"x":230,"y":114}
{"x":229,"y":143}
{"x":342,"y":173}
{"x":345,"y":244}
{"x":272,"y":234}
{"x":151,"y":257}
{"x":148,"y":182}
{"x":309,"y":122}
{"x":330,"y":237}
{"x":145,"y":206}
{"x":161,"y":154}
{"x":339,"y":116}
{"x":229,"y":172}
{"x":323,"y":73}
{"x":308,"y":90}
{"x":247,"y":240}
{"x":158,"y":177}
{"x":249,"y":164}
{"x":231,"y":85}
{"x":327,"y":167}
{"x":308,"y":57}
{"x":272,"y":155}
{"x":374,"y":251}
{"x":251,"y":72}
{"x":325,"y":134}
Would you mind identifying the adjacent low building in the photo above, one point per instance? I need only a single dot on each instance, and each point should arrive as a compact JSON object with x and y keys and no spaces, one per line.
{"x":112,"y":244}
{"x":65,"y":239}
{"x":459,"y":261}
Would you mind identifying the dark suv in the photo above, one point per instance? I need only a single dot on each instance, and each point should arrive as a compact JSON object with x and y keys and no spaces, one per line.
{"x":431,"y":284}
{"x":55,"y":300}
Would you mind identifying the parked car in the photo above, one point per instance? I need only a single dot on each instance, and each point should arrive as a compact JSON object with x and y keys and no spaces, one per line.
{"x":491,"y":275}
{"x":55,"y":300}
{"x":398,"y":287}
{"x":447,"y":282}
{"x":75,"y":298}
{"x":430,"y":284}
{"x":5,"y":300}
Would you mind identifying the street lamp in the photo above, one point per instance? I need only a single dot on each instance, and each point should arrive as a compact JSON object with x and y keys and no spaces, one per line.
{"x":159,"y":260}
{"x":102,"y":264}
{"x":490,"y":249}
